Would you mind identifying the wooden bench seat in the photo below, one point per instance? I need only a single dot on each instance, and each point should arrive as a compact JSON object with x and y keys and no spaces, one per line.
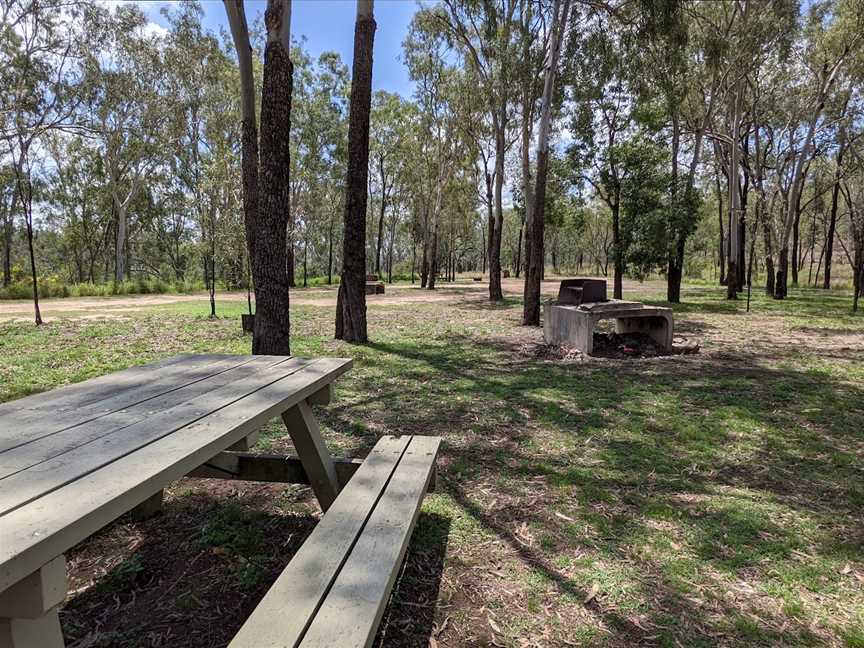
{"x":335,"y":589}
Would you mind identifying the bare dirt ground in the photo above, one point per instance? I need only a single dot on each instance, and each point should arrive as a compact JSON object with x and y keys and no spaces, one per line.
{"x":86,"y":307}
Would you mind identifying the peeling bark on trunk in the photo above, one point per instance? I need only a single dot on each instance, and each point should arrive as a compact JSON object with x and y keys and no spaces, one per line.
{"x":351,"y":306}
{"x":249,"y":127}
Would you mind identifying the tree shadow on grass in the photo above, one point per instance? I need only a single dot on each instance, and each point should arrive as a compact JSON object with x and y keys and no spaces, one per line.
{"x":717,"y":448}
{"x":410,"y":616}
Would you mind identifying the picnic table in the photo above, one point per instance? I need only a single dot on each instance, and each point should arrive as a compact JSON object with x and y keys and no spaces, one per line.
{"x":74,"y":459}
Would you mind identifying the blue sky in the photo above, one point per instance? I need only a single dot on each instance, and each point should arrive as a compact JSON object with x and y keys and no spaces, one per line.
{"x":329,"y":25}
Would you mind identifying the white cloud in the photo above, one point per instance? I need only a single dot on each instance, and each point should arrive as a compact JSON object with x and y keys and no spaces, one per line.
{"x":153,"y":29}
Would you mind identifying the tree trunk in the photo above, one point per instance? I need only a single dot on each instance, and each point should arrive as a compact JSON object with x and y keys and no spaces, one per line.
{"x":676,"y":272}
{"x":497,"y":224}
{"x":796,"y":240}
{"x":272,"y":324}
{"x":780,"y":284}
{"x":330,"y":252}
{"x":24,"y":185}
{"x":424,"y":262}
{"x":722,"y":241}
{"x":249,"y":138}
{"x":835,"y":197}
{"x":742,"y":223}
{"x":858,"y":280}
{"x":536,"y":260}
{"x":390,"y":244}
{"x":380,"y":216}
{"x":518,"y":261}
{"x":527,"y":184}
{"x":120,"y":245}
{"x":305,"y":261}
{"x":433,"y":254}
{"x":8,"y":233}
{"x":351,"y":311}
{"x":769,"y":258}
{"x":212,"y":286}
{"x":618,"y":270}
{"x":735,"y":243}
{"x":490,"y":220}
{"x":289,"y":256}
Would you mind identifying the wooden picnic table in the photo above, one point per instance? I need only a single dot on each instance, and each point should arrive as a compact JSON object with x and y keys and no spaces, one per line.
{"x":74,"y":459}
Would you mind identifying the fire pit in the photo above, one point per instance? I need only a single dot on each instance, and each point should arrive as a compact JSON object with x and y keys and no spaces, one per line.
{"x":571,"y":319}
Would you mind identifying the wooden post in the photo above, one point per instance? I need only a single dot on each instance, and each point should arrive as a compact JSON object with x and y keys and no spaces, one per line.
{"x":306,"y":436}
{"x":28,"y":609}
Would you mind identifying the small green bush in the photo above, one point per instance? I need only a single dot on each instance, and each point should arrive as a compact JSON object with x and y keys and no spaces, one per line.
{"x":50,"y":287}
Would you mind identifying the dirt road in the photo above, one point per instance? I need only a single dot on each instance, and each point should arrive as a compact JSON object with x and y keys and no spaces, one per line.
{"x":92,"y":307}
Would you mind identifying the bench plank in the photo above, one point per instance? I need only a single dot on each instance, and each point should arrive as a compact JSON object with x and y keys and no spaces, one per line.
{"x":281,"y":618}
{"x":350,"y":614}
{"x":48,"y":464}
{"x":48,"y":526}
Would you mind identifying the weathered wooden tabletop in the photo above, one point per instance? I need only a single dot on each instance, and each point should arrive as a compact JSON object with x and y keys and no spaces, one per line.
{"x":75,"y":458}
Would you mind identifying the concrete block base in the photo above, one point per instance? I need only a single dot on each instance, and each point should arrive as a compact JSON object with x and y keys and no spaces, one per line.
{"x":573,"y":325}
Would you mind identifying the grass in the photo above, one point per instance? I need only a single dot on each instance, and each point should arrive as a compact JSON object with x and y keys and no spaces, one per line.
{"x":704,"y":500}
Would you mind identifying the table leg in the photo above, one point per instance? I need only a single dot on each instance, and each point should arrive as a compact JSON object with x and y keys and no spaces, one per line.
{"x":304,"y":432}
{"x":149,"y":508}
{"x":246,"y":443}
{"x":28,"y":609}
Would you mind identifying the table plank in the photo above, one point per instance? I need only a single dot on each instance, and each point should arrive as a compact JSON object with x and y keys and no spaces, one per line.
{"x":50,"y":445}
{"x":304,"y":583}
{"x":25,"y":485}
{"x":28,"y":425}
{"x":352,"y":610}
{"x":33,"y":534}
{"x":76,"y":394}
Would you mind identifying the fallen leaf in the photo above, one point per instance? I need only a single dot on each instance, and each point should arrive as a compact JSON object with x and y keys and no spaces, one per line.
{"x":493,"y":625}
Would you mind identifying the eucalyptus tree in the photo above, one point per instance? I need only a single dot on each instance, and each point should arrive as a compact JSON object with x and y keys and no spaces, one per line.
{"x":318,"y":152}
{"x":485,"y":34}
{"x":351,"y":301}
{"x":835,"y":33}
{"x":536,"y":259}
{"x":8,"y":202}
{"x":602,"y":70}
{"x":76,"y":205}
{"x":126,"y":104}
{"x":439,"y":88}
{"x":266,"y":169}
{"x":203,"y":124}
{"x":39,"y":72}
{"x":387,"y":125}
{"x":535,"y":25}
